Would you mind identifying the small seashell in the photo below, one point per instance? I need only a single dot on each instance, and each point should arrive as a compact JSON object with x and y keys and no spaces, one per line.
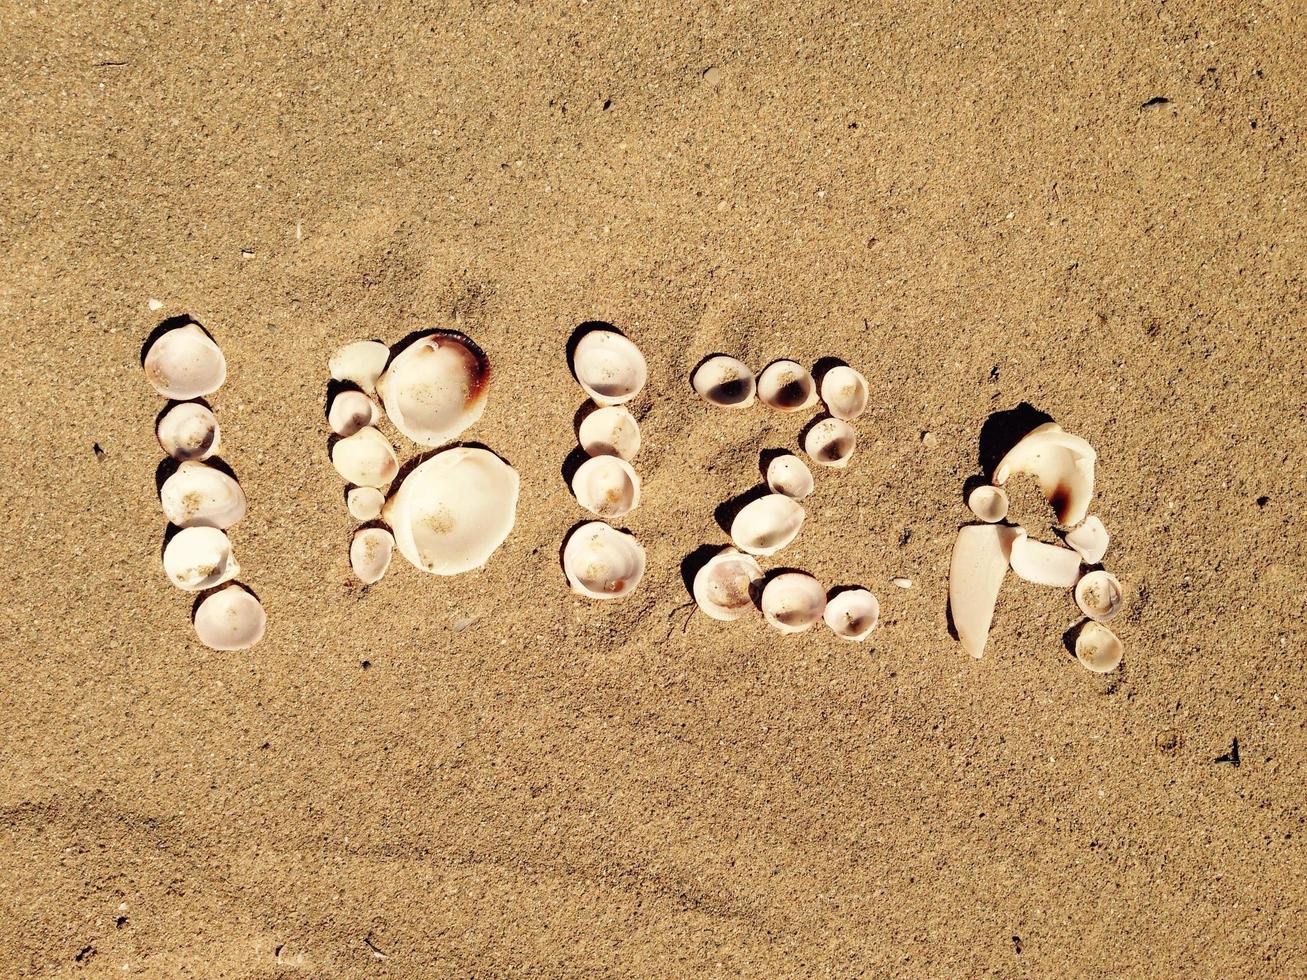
{"x":435,"y":388}
{"x":185,"y":363}
{"x":189,"y":430}
{"x":844,"y":391}
{"x":365,"y":503}
{"x":1090,"y":539}
{"x":989,"y":503}
{"x":831,"y":443}
{"x":607,"y":486}
{"x":198,"y":495}
{"x":611,"y":431}
{"x":609,"y":367}
{"x":853,"y":614}
{"x":365,"y":459}
{"x":787,"y":386}
{"x":370,"y":552}
{"x":1098,"y":594}
{"x":724,"y":381}
{"x":901,"y":583}
{"x":1044,"y":564}
{"x":601,"y":562}
{"x":1063,"y":465}
{"x":789,"y":475}
{"x":980,"y":561}
{"x":350,"y":411}
{"x":230,"y":619}
{"x":766,"y":525}
{"x":1098,"y":649}
{"x":360,"y":363}
{"x":793,"y":601}
{"x":723,"y":587}
{"x":198,"y":558}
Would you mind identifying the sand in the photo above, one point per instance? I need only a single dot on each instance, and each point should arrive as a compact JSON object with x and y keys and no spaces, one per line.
{"x":1095,"y":212}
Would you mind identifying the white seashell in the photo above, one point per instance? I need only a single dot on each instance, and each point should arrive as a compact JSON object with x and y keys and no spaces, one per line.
{"x":852,"y":615}
{"x":601,"y":562}
{"x":185,"y":363}
{"x":1098,"y":649}
{"x":365,"y":459}
{"x":611,"y":431}
{"x":452,"y":512}
{"x":723,"y":587}
{"x":988,"y":503}
{"x":831,"y":443}
{"x":606,"y":486}
{"x":845,"y":392}
{"x":1062,"y":464}
{"x":230,"y":619}
{"x":793,"y":601}
{"x":766,"y":525}
{"x":370,"y":552}
{"x":1090,"y":539}
{"x":980,"y":561}
{"x":360,"y":363}
{"x":189,"y":430}
{"x":198,"y":558}
{"x":1099,"y":595}
{"x":198,"y":495}
{"x":787,"y":386}
{"x":789,"y":475}
{"x":724,"y":381}
{"x":609,"y":367}
{"x":365,"y":503}
{"x":901,"y":583}
{"x":351,"y":411}
{"x":435,"y":388}
{"x":1044,"y":564}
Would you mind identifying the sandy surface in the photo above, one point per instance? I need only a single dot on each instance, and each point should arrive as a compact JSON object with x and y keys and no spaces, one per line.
{"x":979,"y":210}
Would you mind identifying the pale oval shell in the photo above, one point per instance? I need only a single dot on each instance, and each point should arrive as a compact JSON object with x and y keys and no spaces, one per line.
{"x":350,"y":411}
{"x":787,"y":386}
{"x":723,"y":587}
{"x":365,"y":503}
{"x":766,"y":525}
{"x":198,"y":558}
{"x":611,"y":431}
{"x":607,"y":486}
{"x":831,"y":443}
{"x":185,"y":363}
{"x":1044,"y":564}
{"x":1099,"y":595}
{"x":789,"y":475}
{"x":1098,"y":649}
{"x":189,"y":430}
{"x":988,"y":503}
{"x":609,"y":367}
{"x":230,"y":619}
{"x":853,"y":614}
{"x":793,"y":601}
{"x":1061,"y":463}
{"x":360,"y":363}
{"x":724,"y":381}
{"x":1090,"y":539}
{"x":601,"y":562}
{"x":435,"y":388}
{"x":370,"y":551}
{"x":365,"y":459}
{"x":845,"y":392}
{"x":198,"y":495}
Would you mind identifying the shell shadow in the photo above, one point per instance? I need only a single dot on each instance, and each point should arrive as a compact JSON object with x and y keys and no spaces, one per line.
{"x":1003,"y":430}
{"x":1071,"y":635}
{"x":694,"y":561}
{"x":571,"y":464}
{"x":725,"y":513}
{"x":172,"y":323}
{"x":589,"y":326}
{"x":825,"y":365}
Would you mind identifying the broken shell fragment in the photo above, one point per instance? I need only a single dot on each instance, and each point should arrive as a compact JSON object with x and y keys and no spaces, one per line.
{"x":609,"y":367}
{"x":1090,"y":539}
{"x":1099,"y":596}
{"x":1061,"y":463}
{"x":185,"y":363}
{"x":980,"y":561}
{"x":198,"y":495}
{"x":189,"y":430}
{"x":365,"y":459}
{"x":845,"y":392}
{"x":611,"y":431}
{"x":793,"y":601}
{"x":853,"y":614}
{"x":789,"y":475}
{"x":607,"y":486}
{"x":198,"y":558}
{"x":351,"y":411}
{"x":1044,"y":564}
{"x":370,"y":552}
{"x":723,"y":587}
{"x":360,"y":363}
{"x":1098,"y":649}
{"x":724,"y":381}
{"x":988,"y":503}
{"x":365,"y":503}
{"x":601,"y":562}
{"x":831,"y":443}
{"x":435,"y":388}
{"x":787,"y":386}
{"x":230,"y":619}
{"x":766,"y":525}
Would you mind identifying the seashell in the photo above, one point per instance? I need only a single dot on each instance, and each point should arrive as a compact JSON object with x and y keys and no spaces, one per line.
{"x":1098,"y":649}
{"x":793,"y":601}
{"x":189,"y":430}
{"x":609,"y":367}
{"x":601,"y":562}
{"x":980,"y":560}
{"x":901,"y":583}
{"x":988,"y":503}
{"x":789,"y":475}
{"x":787,"y":386}
{"x":198,"y":495}
{"x":365,"y":503}
{"x":198,"y":558}
{"x":1062,"y":464}
{"x":853,"y":614}
{"x":611,"y":431}
{"x":230,"y":619}
{"x":723,"y":587}
{"x":606,"y":486}
{"x":766,"y":525}
{"x":1090,"y":539}
{"x":360,"y":363}
{"x":452,"y":511}
{"x":831,"y":443}
{"x":435,"y":388}
{"x":350,"y":411}
{"x":1099,"y":595}
{"x":365,"y":459}
{"x":724,"y":381}
{"x":844,"y":391}
{"x":370,"y":552}
{"x":1044,"y":564}
{"x":185,"y":363}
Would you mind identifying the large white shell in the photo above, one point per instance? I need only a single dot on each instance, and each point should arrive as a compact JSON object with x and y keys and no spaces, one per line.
{"x":1098,"y":649}
{"x":189,"y":430}
{"x":793,"y":601}
{"x":365,"y":503}
{"x":845,"y":392}
{"x":831,"y":443}
{"x":1098,"y":594}
{"x":230,"y":619}
{"x":435,"y":388}
{"x":988,"y":503}
{"x":980,"y":561}
{"x":350,"y":411}
{"x":198,"y":558}
{"x":1062,"y":464}
{"x":607,"y":486}
{"x":370,"y":552}
{"x":601,"y":562}
{"x":360,"y":363}
{"x":1044,"y":564}
{"x":766,"y":525}
{"x":452,"y":512}
{"x":365,"y":459}
{"x":787,"y":386}
{"x":1090,"y":539}
{"x":723,"y":586}
{"x":789,"y":475}
{"x":198,"y":495}
{"x":611,"y":431}
{"x":724,"y":381}
{"x":185,"y":363}
{"x":609,"y":367}
{"x":853,"y":614}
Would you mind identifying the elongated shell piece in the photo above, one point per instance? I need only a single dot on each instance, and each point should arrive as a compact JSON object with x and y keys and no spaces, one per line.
{"x":766,"y":525}
{"x":606,"y":486}
{"x":351,"y":411}
{"x":365,"y":503}
{"x":724,"y":381}
{"x":185,"y":363}
{"x":831,"y":443}
{"x":793,"y":601}
{"x":370,"y":552}
{"x":789,"y":475}
{"x":1098,"y":594}
{"x":980,"y":561}
{"x":365,"y":459}
{"x":601,"y":562}
{"x":723,"y":587}
{"x":845,"y":392}
{"x":1098,"y":649}
{"x":435,"y":388}
{"x":198,"y":558}
{"x":853,"y":614}
{"x":230,"y":619}
{"x":609,"y":367}
{"x":360,"y":363}
{"x":1090,"y":539}
{"x":1061,"y":463}
{"x":611,"y":431}
{"x":1044,"y":564}
{"x":988,"y":503}
{"x":189,"y":430}
{"x":198,"y":495}
{"x":787,"y":386}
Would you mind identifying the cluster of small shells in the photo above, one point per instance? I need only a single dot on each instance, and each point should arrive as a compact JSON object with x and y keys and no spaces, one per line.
{"x":202,"y":501}
{"x":1063,"y":466}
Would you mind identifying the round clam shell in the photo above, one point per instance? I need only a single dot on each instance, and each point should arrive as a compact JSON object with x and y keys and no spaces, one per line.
{"x":365,"y":503}
{"x":831,"y":442}
{"x":724,"y":381}
{"x":185,"y":363}
{"x":199,"y":558}
{"x":988,"y":503}
{"x":789,"y":475}
{"x":607,"y":486}
{"x":230,"y":619}
{"x":1098,"y":649}
{"x":189,"y":430}
{"x":766,"y":525}
{"x":601,"y":562}
{"x":198,"y":495}
{"x":1099,"y":595}
{"x":610,"y":431}
{"x":436,"y":388}
{"x":793,"y":601}
{"x":787,"y":386}
{"x":365,"y":459}
{"x":609,"y":367}
{"x":845,"y":392}
{"x":360,"y":363}
{"x":370,"y":551}
{"x":852,"y":614}
{"x":723,"y":587}
{"x":350,"y":411}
